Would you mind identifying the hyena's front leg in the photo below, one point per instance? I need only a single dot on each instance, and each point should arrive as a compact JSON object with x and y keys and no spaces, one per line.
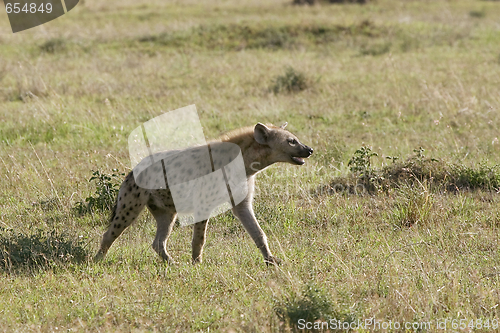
{"x":244,"y":212}
{"x":199,"y":235}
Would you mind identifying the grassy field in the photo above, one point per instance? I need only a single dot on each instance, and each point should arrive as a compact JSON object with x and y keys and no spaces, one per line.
{"x":390,"y":76}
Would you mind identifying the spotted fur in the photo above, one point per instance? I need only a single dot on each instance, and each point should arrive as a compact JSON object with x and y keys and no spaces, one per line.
{"x":261,"y":146}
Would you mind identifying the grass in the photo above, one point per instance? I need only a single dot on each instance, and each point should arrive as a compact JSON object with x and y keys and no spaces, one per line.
{"x":420,"y":245}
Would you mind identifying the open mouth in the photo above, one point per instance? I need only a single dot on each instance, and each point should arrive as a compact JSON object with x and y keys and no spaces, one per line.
{"x":298,"y":160}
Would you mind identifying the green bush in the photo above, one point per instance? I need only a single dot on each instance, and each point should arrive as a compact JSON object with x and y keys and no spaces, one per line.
{"x":291,"y":81}
{"x":107,"y":188}
{"x":360,"y":162}
{"x":311,"y":305}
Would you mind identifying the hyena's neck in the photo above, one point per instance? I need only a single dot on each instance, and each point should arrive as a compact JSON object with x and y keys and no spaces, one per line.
{"x":257,"y":157}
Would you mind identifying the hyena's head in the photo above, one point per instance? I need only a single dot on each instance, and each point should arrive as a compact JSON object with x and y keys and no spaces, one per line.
{"x":285,"y":147}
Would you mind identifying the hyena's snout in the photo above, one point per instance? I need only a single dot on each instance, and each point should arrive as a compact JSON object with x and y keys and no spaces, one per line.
{"x":304,"y":152}
{"x":308,"y":151}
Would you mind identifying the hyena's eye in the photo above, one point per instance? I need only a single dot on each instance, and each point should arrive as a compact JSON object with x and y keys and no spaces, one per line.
{"x":292,"y":142}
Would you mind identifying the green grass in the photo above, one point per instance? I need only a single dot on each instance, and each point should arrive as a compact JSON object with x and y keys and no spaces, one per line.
{"x":390,"y":75}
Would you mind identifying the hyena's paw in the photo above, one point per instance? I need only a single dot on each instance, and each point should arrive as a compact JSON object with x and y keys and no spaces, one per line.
{"x":198,"y":260}
{"x":169,"y":261}
{"x":272,"y":260}
{"x":165,"y":257}
{"x":99,"y":257}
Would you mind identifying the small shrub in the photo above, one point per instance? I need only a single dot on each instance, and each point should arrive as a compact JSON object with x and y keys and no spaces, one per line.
{"x":419,"y":154}
{"x":361,"y":168}
{"x":360,"y":163}
{"x":477,"y":13}
{"x":311,"y":305}
{"x":53,"y":45}
{"x":40,"y":249}
{"x":272,"y":38}
{"x":291,"y":81}
{"x":107,"y":187}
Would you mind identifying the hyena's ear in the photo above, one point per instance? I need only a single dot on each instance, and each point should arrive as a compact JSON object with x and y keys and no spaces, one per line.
{"x":284,"y":125}
{"x":261,"y":133}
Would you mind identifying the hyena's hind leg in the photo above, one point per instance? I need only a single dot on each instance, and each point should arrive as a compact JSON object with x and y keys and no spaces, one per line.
{"x":165,"y":218}
{"x":130,"y":202}
{"x":199,"y":236}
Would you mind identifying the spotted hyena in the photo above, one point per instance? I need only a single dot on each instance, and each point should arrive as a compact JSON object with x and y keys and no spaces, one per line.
{"x":261,"y":146}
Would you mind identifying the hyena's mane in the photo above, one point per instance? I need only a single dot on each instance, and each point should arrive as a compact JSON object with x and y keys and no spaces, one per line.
{"x":243,"y":137}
